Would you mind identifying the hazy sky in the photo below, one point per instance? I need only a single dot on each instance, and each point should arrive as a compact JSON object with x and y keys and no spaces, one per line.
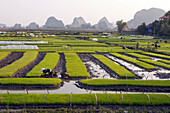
{"x":26,"y":11}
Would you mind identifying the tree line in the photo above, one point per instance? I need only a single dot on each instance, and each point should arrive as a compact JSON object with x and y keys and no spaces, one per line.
{"x":157,"y":28}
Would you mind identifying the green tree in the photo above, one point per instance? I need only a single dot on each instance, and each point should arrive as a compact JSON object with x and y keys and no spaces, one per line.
{"x":168,"y":14}
{"x":141,"y":29}
{"x":121,"y":26}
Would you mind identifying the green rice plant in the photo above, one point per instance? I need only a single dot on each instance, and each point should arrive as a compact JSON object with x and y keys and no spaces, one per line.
{"x":156,"y":63}
{"x":137,"y":99}
{"x":50,"y":60}
{"x":137,"y":55}
{"x":4,"y":54}
{"x":156,"y":55}
{"x":75,"y":66}
{"x":108,"y":98}
{"x":33,"y":99}
{"x":159,"y":99}
{"x":121,"y":82}
{"x":135,"y":62}
{"x":84,"y":99}
{"x":165,"y":61}
{"x":119,"y":70}
{"x":11,"y":99}
{"x":27,"y":58}
{"x":57,"y":99}
{"x":29,"y":81}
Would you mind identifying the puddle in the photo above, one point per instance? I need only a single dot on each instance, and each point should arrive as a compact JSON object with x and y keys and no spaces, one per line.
{"x":96,"y":70}
{"x":146,"y":75}
{"x":70,"y":87}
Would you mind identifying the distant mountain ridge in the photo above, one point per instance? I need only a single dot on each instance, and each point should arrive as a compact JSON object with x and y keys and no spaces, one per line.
{"x":53,"y":23}
{"x":77,"y":22}
{"x":104,"y":24}
{"x":147,"y":16}
{"x":32,"y":25}
{"x":2,"y":25}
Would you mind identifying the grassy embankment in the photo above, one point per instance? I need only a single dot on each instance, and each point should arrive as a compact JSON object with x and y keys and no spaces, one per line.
{"x":29,"y":81}
{"x":75,"y":66}
{"x":85,"y":99}
{"x":49,"y":61}
{"x":119,"y":70}
{"x":120,"y":82}
{"x":10,"y":69}
{"x":135,"y":62}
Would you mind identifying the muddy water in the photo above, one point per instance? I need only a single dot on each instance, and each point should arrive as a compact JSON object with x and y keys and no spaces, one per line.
{"x":70,"y":87}
{"x":96,"y":70}
{"x":146,"y":75}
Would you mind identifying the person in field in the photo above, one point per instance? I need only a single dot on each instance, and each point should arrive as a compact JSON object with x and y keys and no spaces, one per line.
{"x":137,"y":45}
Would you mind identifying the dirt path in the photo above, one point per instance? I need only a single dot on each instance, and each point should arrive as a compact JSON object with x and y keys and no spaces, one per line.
{"x":23,"y":72}
{"x":10,"y":58}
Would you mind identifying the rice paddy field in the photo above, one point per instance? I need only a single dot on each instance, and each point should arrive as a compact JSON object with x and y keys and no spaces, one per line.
{"x":96,"y":69}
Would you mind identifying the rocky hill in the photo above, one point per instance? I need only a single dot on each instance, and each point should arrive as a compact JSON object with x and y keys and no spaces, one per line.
{"x":2,"y":25}
{"x":32,"y":25}
{"x":147,"y":16}
{"x":79,"y":23}
{"x":53,"y":23}
{"x":17,"y":26}
{"x":104,"y":24}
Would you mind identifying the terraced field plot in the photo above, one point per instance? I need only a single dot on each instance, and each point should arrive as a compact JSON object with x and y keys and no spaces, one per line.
{"x":4,"y":54}
{"x":135,"y":62}
{"x":100,"y":58}
{"x":49,"y":61}
{"x":120,"y":71}
{"x":8,"y":70}
{"x":75,"y":66}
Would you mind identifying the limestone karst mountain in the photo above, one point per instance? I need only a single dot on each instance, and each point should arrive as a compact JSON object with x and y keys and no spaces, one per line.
{"x":79,"y":23}
{"x":17,"y":26}
{"x":147,"y":16}
{"x":104,"y":24}
{"x":53,"y":23}
{"x":2,"y":25}
{"x":32,"y":25}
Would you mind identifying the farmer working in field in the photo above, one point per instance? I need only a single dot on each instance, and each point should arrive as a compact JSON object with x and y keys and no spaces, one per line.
{"x":45,"y":71}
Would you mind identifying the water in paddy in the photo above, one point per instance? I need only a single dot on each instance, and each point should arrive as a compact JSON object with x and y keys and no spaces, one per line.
{"x":96,"y":70}
{"x":161,"y":73}
{"x":70,"y":87}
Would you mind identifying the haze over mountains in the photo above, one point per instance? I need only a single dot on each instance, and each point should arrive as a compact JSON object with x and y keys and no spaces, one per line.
{"x":147,"y":16}
{"x":140,"y":17}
